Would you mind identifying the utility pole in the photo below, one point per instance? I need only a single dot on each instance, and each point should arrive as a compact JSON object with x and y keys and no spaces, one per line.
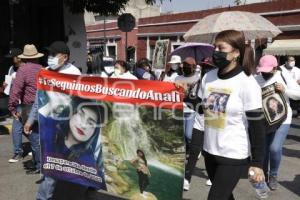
{"x":104,"y":35}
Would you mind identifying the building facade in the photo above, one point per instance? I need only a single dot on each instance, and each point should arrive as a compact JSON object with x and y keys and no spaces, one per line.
{"x":285,"y":14}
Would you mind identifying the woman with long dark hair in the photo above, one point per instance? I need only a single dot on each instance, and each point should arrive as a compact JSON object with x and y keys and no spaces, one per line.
{"x":233,"y":137}
{"x":141,"y":165}
{"x":274,"y":107}
{"x":76,"y":138}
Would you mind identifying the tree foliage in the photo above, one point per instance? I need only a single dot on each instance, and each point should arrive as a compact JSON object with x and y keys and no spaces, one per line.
{"x":103,"y":7}
{"x":237,"y":2}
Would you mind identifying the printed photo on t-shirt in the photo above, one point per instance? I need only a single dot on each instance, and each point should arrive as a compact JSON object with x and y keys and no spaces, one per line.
{"x":274,"y":105}
{"x":215,"y":107}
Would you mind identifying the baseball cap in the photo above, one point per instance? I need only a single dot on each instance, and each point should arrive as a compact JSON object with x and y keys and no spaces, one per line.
{"x":58,"y":47}
{"x":267,"y":63}
{"x":14,"y":52}
{"x":175,"y":59}
{"x":190,"y":61}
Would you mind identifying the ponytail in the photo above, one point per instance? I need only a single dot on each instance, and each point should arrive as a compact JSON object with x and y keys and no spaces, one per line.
{"x":237,"y":40}
{"x":248,"y":60}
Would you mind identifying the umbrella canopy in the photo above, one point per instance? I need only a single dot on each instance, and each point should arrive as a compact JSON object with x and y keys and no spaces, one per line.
{"x":196,"y":50}
{"x":253,"y":25}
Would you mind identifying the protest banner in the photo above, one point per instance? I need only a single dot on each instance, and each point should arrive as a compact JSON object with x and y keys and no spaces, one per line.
{"x":122,"y":136}
{"x":159,"y":59}
{"x":274,"y":107}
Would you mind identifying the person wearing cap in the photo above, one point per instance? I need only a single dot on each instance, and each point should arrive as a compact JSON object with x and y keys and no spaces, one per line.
{"x":13,"y":54}
{"x":190,"y":81}
{"x":173,"y":70}
{"x":22,"y":95}
{"x":269,"y":73}
{"x":17,"y":127}
{"x":58,"y":61}
{"x":196,"y":143}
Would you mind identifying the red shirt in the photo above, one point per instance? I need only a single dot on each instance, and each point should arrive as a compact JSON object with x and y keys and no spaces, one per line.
{"x":24,"y":86}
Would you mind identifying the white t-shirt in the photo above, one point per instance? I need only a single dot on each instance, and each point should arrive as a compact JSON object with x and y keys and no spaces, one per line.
{"x":294,"y":72}
{"x":292,"y":90}
{"x":225,"y":103}
{"x":126,"y":75}
{"x":170,"y":78}
{"x":188,"y":80}
{"x":199,"y":122}
{"x":69,"y":69}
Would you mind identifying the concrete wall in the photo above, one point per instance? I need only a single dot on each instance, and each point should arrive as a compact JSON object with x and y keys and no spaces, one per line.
{"x":76,"y":33}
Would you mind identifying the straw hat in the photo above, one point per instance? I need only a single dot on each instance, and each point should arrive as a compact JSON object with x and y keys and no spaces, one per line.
{"x":30,"y":52}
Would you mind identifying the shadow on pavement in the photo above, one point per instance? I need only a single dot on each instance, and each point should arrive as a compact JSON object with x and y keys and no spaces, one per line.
{"x":201,"y":173}
{"x":291,"y":152}
{"x":296,"y":126}
{"x":294,"y":137}
{"x":293,"y":186}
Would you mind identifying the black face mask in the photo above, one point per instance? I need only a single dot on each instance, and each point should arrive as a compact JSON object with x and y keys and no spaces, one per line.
{"x":187,"y":71}
{"x":220,"y":59}
{"x":267,"y":76}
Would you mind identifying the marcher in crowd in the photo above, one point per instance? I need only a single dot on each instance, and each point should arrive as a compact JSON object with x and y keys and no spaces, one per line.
{"x":58,"y":61}
{"x":21,"y":98}
{"x":17,"y":129}
{"x":270,"y":73}
{"x":190,"y":81}
{"x":294,"y":71}
{"x":143,"y":70}
{"x":228,"y":134}
{"x":173,"y":70}
{"x":122,"y":71}
{"x":196,"y":144}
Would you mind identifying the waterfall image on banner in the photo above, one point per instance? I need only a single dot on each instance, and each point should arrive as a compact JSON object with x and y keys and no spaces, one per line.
{"x":143,"y":157}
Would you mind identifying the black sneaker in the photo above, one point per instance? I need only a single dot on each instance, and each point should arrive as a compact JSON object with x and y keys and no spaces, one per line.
{"x":273,"y":183}
{"x":15,"y":158}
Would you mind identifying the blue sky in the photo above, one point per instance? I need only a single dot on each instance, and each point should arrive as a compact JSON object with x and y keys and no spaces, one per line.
{"x":192,"y":5}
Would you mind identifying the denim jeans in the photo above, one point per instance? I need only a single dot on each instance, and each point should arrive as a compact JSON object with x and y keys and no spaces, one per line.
{"x":273,"y":153}
{"x":17,"y":131}
{"x":189,"y":120}
{"x":34,"y":139}
{"x":46,"y":189}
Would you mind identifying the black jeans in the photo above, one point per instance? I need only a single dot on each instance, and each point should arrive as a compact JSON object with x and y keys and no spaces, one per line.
{"x":196,"y":146}
{"x":224,"y":174}
{"x":143,"y":181}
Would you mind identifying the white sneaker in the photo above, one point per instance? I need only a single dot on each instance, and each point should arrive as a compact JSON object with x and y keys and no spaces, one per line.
{"x":15,"y":158}
{"x":30,"y":153}
{"x":186,"y":185}
{"x":208,"y":182}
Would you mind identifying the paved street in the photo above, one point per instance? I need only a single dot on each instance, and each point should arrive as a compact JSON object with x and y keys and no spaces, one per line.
{"x":16,"y":185}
